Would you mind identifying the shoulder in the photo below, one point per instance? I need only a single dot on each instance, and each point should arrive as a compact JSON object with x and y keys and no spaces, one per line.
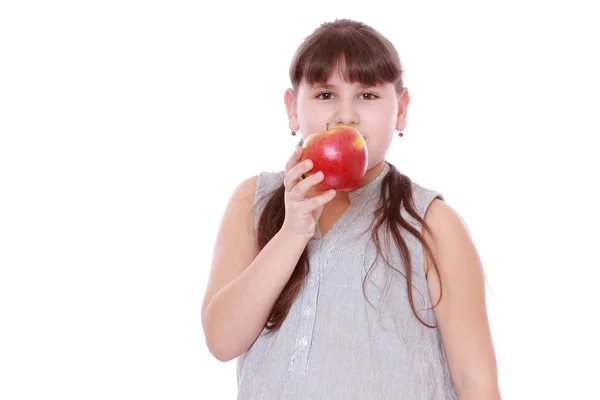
{"x":246,"y":186}
{"x":242,"y":196}
{"x":252,"y":194}
{"x":439,"y":211}
{"x":449,"y":236}
{"x":264,"y":181}
{"x":444,"y":217}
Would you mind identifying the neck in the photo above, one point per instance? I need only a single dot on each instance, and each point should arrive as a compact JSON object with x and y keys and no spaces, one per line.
{"x":372,"y":174}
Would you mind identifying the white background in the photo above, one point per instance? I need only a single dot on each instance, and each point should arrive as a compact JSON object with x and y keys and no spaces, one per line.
{"x":126,"y":125}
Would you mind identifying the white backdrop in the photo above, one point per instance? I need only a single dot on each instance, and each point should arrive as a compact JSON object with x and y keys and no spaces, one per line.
{"x":125,"y":125}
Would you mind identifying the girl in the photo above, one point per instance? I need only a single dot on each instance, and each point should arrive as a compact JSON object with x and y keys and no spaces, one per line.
{"x":377,"y":293}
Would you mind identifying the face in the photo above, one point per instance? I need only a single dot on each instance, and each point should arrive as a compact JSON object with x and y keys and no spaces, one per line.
{"x":377,"y":112}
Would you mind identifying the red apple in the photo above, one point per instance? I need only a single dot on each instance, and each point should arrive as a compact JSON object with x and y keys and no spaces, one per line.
{"x":341,"y":154}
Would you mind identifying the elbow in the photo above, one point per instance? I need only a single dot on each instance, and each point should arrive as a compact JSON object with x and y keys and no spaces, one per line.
{"x":219,"y":352}
{"x":217,"y":346}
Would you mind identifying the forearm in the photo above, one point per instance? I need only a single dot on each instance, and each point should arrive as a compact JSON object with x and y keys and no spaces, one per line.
{"x":238,"y":312}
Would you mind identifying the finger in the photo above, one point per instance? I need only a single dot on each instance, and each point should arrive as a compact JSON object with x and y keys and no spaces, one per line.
{"x":313,"y":191}
{"x":293,"y":160}
{"x":294,"y":175}
{"x":301,"y":189}
{"x":317,"y":201}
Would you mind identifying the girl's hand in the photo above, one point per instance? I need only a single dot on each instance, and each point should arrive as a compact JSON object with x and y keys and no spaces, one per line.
{"x":303,"y":203}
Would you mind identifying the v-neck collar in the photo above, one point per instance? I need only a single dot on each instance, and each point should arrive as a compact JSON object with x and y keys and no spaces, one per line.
{"x":363,"y":193}
{"x":359,"y":198}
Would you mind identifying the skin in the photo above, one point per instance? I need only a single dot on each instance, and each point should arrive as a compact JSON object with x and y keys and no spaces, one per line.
{"x":378,"y":113}
{"x":461,"y":314}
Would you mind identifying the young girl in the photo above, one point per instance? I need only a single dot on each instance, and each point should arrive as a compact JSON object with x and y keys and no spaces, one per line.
{"x":331,"y":295}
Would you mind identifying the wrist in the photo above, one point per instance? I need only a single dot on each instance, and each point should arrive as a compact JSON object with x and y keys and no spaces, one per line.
{"x":293,"y":238}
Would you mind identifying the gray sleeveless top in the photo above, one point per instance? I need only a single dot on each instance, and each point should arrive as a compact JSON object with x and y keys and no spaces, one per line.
{"x":337,"y":343}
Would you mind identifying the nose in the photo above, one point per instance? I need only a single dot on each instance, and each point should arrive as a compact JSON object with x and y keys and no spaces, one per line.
{"x":345,"y":113}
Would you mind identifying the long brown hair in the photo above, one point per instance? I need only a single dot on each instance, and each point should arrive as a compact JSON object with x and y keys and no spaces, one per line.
{"x":363,"y":55}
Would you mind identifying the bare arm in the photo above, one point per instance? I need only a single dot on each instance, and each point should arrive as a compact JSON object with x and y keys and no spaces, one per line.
{"x":461,"y":315}
{"x":244,"y":284}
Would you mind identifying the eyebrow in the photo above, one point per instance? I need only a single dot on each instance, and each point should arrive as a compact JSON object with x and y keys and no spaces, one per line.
{"x":330,"y":86}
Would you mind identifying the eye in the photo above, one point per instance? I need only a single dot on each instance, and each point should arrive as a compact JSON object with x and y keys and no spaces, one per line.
{"x":370,"y":96}
{"x":324,"y":94}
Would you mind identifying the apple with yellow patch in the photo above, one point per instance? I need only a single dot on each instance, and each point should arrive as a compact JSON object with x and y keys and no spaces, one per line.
{"x":341,"y":154}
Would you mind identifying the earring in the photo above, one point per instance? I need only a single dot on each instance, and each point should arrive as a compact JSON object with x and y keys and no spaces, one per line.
{"x":400,"y":134}
{"x":293,"y":133}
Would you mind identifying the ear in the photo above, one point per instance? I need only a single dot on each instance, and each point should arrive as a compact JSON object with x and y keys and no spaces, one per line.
{"x":403,"y":102}
{"x":289,"y":98}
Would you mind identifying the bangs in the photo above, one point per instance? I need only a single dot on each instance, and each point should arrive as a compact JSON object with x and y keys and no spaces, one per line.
{"x":359,"y":55}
